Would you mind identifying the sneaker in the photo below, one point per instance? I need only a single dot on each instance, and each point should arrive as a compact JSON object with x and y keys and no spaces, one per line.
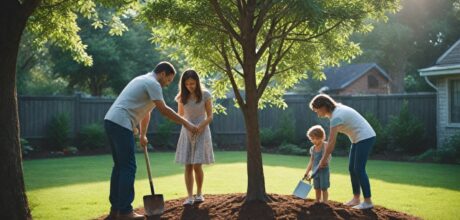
{"x":130,"y":216}
{"x":199,"y":198}
{"x":187,"y":202}
{"x":363,"y":205}
{"x":352,"y":202}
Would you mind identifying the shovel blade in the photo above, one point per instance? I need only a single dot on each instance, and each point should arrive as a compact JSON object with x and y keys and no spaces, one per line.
{"x":154,"y":204}
{"x":302,"y":190}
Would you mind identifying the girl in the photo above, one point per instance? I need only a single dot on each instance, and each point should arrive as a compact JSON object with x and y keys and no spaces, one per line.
{"x":348,"y":121}
{"x":194,"y":149}
{"x":321,"y":182}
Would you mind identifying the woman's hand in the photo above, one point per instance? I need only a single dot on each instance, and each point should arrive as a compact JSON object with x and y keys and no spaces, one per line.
{"x":323,"y":163}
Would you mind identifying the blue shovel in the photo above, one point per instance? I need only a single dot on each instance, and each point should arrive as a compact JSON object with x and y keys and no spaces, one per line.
{"x":304,"y":187}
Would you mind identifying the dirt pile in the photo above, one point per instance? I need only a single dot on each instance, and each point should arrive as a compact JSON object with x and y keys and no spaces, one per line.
{"x":230,"y":206}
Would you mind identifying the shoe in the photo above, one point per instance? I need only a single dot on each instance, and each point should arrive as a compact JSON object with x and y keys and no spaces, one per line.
{"x":199,"y":198}
{"x":113,"y":215}
{"x":187,"y":202}
{"x":130,"y":216}
{"x":352,"y":202}
{"x":364,"y":205}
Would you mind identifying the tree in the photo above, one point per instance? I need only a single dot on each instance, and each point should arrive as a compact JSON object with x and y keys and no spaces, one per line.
{"x":261,"y":48}
{"x":49,"y":21}
{"x":411,"y":39}
{"x":116,"y":60}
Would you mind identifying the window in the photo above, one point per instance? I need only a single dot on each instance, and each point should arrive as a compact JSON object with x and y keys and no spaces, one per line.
{"x":372,"y":82}
{"x":454,"y":101}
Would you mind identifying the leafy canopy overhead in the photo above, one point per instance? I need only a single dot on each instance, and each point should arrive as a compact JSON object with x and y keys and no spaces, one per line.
{"x":294,"y":39}
{"x":55,"y":21}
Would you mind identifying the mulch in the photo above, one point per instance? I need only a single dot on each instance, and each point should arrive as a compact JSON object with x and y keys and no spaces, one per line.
{"x":232,"y":206}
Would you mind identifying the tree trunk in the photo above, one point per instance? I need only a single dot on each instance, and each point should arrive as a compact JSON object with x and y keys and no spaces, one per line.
{"x":256,"y":182}
{"x":13,"y":200}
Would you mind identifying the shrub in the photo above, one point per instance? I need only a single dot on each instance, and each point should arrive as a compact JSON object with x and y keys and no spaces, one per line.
{"x":285,"y":132}
{"x":381,"y":138}
{"x":342,"y":142}
{"x":59,"y":132}
{"x":163,"y":134}
{"x":292,"y":149}
{"x":452,"y":144}
{"x":92,"y":136}
{"x":405,"y":132}
{"x":268,"y":138}
{"x":26,"y":149}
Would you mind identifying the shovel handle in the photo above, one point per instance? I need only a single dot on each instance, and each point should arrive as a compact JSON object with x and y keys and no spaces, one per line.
{"x":147,"y":161}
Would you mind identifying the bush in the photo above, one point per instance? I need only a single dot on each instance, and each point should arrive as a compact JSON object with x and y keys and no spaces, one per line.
{"x":342,"y":142}
{"x":438,"y":156}
{"x":452,"y":144}
{"x":285,"y":132}
{"x":268,"y":138}
{"x":405,"y":132}
{"x":92,"y":136}
{"x":381,"y":141}
{"x":163,"y":134}
{"x":26,"y":149}
{"x":59,"y":132}
{"x":291,"y":149}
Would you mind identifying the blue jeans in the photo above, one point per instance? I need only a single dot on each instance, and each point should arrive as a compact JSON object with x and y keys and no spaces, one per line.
{"x":124,"y":169}
{"x":357,"y":166}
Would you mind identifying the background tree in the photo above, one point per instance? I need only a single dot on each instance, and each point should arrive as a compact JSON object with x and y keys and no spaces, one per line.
{"x":412,"y":39}
{"x":261,"y":48}
{"x":48,"y":21}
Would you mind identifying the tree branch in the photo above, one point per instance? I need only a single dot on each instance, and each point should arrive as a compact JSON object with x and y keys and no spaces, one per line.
{"x":228,"y":71}
{"x":224,"y":21}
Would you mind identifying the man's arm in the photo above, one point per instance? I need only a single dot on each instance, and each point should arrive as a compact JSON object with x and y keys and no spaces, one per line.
{"x":143,"y":129}
{"x":172,"y":115}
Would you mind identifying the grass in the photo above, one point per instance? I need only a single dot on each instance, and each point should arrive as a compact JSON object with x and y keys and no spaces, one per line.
{"x":77,"y":188}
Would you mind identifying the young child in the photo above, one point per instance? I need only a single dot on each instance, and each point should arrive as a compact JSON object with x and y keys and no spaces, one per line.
{"x":321,"y":183}
{"x":194,"y":149}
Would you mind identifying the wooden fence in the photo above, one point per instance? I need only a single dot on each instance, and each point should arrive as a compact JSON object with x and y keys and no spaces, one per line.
{"x":35,"y":113}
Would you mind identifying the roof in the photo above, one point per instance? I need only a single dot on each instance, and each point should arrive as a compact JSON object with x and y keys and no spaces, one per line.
{"x":447,"y":64}
{"x":340,"y":77}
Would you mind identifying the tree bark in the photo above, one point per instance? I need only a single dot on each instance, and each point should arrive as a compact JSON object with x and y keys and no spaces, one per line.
{"x":256,"y":179}
{"x":13,"y":200}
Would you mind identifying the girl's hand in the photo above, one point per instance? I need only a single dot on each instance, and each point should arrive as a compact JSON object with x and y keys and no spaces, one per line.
{"x":200,"y":129}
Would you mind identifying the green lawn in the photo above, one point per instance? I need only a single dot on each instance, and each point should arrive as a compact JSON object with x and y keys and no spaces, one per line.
{"x":77,"y":188}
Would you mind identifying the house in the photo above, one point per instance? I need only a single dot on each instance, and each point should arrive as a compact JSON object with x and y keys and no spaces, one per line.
{"x":364,"y":78}
{"x":444,"y":76}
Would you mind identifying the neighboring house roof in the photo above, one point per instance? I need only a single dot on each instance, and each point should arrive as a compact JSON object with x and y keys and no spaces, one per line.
{"x":448,"y":63}
{"x":340,"y":77}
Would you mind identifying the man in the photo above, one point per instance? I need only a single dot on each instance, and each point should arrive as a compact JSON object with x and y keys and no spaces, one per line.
{"x":132,"y":108}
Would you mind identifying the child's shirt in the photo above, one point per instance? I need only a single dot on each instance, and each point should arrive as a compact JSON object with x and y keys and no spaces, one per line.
{"x":318,"y":155}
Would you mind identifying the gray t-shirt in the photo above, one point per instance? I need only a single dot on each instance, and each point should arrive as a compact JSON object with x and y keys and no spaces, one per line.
{"x":135,"y":101}
{"x":351,"y":123}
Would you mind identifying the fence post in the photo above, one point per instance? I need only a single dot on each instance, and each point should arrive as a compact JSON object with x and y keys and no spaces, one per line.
{"x":76,"y":117}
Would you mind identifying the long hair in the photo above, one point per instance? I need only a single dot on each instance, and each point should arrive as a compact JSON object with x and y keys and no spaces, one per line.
{"x":184,"y":94}
{"x":323,"y":100}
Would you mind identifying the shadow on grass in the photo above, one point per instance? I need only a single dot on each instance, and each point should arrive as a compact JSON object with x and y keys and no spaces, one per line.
{"x":45,"y":173}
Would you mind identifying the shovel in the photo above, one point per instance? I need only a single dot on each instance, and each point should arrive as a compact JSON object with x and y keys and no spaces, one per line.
{"x":303,"y":188}
{"x":153,"y":204}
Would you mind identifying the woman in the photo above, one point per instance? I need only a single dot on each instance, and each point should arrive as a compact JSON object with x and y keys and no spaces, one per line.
{"x":194,"y":149}
{"x":346,"y":120}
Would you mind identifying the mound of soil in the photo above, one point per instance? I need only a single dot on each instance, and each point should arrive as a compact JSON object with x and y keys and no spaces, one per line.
{"x":232,"y":206}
